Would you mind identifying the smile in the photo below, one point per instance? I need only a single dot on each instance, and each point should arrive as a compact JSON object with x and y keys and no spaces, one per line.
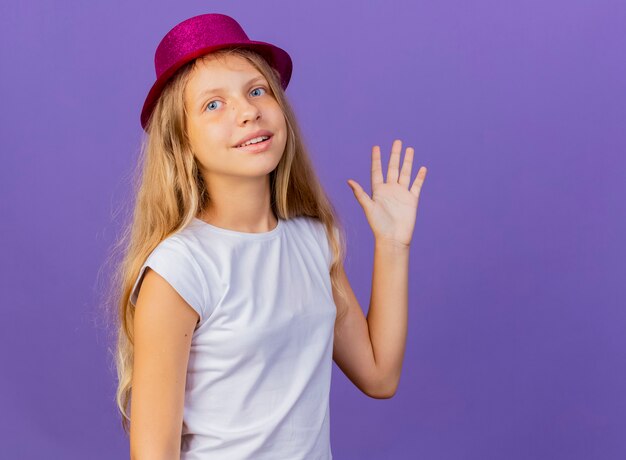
{"x":258,"y":147}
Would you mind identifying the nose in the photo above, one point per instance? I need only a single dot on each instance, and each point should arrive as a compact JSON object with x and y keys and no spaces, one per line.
{"x":248,"y":111}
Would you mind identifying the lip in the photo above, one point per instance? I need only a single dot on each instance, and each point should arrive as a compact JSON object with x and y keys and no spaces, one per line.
{"x":262,"y":132}
{"x":258,"y":147}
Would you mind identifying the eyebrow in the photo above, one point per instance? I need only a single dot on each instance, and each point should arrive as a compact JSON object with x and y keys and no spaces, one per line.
{"x":215,"y":90}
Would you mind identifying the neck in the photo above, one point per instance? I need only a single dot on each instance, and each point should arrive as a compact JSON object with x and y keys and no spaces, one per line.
{"x":240,"y":205}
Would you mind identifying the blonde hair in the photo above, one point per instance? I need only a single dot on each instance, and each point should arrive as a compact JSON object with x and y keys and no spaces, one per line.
{"x":170,"y":192}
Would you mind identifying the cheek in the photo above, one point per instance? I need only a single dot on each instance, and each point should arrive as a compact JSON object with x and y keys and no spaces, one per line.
{"x":209,"y":149}
{"x":211,"y":138}
{"x":279,"y":122}
{"x":273,"y":111}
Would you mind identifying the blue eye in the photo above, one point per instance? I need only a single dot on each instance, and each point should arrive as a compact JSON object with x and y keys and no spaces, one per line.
{"x":211,"y":103}
{"x":260,"y":87}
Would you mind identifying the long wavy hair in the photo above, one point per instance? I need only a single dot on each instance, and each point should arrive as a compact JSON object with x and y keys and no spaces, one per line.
{"x":170,"y":191}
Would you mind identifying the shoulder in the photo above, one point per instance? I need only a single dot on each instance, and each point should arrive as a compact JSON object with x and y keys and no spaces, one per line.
{"x":175,"y":249}
{"x":319,"y":228}
{"x":312,"y":223}
{"x":317,"y":231}
{"x":175,"y":262}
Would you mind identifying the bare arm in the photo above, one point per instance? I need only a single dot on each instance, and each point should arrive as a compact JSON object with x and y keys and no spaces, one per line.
{"x":352,"y":347}
{"x":163,"y":326}
{"x":370,"y":351}
{"x":388,"y":312}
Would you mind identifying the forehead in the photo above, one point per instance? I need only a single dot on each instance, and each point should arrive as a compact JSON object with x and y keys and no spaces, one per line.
{"x":213,"y":71}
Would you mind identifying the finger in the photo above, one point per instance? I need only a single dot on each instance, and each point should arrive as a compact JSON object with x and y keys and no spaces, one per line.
{"x":419,"y":180}
{"x":394,"y":161}
{"x":407,"y":165}
{"x":377,"y":168}
{"x":362,"y":197}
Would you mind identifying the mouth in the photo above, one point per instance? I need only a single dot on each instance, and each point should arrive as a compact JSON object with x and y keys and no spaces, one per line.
{"x":257,"y":147}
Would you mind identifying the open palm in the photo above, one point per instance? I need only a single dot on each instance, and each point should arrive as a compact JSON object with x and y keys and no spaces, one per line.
{"x":392,"y":209}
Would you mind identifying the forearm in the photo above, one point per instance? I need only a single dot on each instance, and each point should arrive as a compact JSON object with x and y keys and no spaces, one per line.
{"x":388,"y":311}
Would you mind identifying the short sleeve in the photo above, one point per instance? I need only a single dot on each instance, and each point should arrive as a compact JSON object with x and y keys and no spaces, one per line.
{"x":326,"y":245}
{"x":173,"y":260}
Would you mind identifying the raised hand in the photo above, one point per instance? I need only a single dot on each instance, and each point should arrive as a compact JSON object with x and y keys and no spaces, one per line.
{"x":392,"y":209}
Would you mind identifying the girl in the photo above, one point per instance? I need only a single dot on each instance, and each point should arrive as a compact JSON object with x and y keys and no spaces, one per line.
{"x":234,"y":297}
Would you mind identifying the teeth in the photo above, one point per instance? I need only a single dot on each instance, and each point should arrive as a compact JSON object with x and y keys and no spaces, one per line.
{"x":255,"y":140}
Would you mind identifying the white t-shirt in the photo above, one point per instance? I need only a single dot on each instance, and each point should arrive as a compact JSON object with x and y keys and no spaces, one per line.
{"x":259,"y":373}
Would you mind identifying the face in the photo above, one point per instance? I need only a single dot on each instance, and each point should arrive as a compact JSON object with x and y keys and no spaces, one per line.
{"x":218,"y":119}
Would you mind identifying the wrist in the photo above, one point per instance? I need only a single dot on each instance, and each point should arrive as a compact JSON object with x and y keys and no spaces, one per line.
{"x":393,"y":245}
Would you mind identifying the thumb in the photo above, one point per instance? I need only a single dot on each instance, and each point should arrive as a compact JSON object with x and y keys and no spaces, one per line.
{"x":362,"y":197}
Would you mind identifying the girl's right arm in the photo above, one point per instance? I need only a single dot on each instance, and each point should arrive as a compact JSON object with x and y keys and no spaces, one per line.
{"x":163,"y":326}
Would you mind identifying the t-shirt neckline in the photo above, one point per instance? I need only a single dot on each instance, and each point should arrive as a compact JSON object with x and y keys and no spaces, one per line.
{"x":246,"y":235}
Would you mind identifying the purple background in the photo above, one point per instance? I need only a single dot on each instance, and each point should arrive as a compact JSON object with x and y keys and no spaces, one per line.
{"x":517,"y":334}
